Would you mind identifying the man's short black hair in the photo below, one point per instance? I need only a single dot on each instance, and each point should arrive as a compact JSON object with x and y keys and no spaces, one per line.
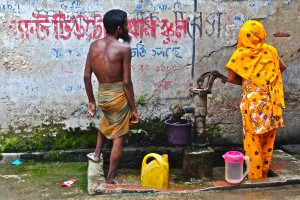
{"x":114,"y":18}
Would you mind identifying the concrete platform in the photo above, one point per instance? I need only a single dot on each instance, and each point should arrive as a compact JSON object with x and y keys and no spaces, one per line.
{"x":285,"y":170}
{"x":293,"y":149}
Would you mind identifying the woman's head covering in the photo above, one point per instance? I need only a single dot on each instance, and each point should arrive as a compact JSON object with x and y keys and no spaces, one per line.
{"x":258,"y":62}
{"x":252,"y":35}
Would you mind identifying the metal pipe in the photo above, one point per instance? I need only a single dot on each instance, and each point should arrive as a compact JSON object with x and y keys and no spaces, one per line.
{"x":188,"y":109}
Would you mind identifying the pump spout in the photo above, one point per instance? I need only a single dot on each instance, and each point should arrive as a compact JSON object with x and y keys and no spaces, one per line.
{"x":178,"y":111}
{"x":188,"y":109}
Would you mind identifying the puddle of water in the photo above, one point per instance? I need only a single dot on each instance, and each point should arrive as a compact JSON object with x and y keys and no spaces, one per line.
{"x":176,"y":178}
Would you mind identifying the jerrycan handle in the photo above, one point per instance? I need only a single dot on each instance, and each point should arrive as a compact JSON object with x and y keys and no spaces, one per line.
{"x":247,"y":159}
{"x":154,"y":155}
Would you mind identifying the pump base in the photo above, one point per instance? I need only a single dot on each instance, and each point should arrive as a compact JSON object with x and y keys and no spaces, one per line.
{"x":198,"y":164}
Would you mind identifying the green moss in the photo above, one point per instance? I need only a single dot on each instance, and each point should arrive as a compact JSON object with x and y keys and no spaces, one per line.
{"x":1,"y":156}
{"x":47,"y":137}
{"x":213,"y":131}
{"x":215,"y":136}
{"x":148,"y":132}
{"x":54,"y":156}
{"x":154,"y":126}
{"x":56,"y":137}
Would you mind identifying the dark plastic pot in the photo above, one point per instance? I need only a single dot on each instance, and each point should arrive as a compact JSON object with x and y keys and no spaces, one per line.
{"x":179,"y":133}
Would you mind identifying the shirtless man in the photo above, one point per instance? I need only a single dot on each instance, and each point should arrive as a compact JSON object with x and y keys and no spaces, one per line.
{"x":110,"y":61}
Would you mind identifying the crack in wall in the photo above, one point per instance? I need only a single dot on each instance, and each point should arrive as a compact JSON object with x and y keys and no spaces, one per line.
{"x":162,"y":81}
{"x":215,"y":51}
{"x":187,"y":65}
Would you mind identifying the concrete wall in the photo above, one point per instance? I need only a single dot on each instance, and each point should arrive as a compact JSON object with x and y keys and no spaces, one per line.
{"x":44,"y":45}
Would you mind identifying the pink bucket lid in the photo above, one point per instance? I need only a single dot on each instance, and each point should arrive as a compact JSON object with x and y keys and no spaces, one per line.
{"x":234,"y":157}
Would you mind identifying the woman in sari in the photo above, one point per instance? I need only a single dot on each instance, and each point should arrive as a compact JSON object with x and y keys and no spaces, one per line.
{"x":256,"y":66}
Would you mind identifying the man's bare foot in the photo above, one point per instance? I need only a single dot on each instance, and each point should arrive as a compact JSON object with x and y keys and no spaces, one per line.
{"x":113,"y":181}
{"x":93,"y":157}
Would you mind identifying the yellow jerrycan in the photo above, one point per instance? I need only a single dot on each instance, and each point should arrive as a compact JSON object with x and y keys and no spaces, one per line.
{"x":155,"y":174}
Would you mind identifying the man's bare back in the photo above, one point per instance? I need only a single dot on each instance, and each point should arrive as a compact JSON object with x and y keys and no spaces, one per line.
{"x":107,"y":59}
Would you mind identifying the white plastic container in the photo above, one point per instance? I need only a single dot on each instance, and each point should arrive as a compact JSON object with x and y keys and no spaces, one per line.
{"x":234,"y":166}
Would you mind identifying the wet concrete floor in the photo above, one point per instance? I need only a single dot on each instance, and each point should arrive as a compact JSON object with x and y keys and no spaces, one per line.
{"x":28,"y":189}
{"x":42,"y":181}
{"x":176,"y":178}
{"x":285,"y":170}
{"x":290,"y":192}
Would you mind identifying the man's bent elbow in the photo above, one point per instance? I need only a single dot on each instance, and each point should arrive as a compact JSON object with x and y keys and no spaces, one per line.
{"x":230,"y":79}
{"x":236,"y":81}
{"x":282,"y":68}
